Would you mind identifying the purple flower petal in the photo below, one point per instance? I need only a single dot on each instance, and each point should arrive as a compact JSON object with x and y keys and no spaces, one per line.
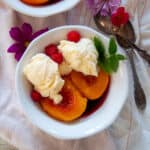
{"x":18,"y":55}
{"x":16,"y":34}
{"x":22,"y":36}
{"x":16,"y":48}
{"x":94,"y":5}
{"x":36,"y":34}
{"x":106,"y":9}
{"x":105,"y":12}
{"x":115,"y":2}
{"x":27,"y":31}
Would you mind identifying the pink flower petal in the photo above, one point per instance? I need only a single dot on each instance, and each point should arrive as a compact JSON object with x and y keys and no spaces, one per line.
{"x":16,"y":48}
{"x":16,"y":34}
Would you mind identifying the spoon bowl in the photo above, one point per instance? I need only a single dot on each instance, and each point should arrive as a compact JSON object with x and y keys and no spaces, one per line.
{"x":105,"y":25}
{"x":128,"y":32}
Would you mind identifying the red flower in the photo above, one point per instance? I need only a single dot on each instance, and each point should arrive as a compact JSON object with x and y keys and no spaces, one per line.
{"x":120,"y":17}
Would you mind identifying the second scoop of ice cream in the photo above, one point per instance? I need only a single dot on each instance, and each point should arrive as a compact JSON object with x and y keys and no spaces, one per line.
{"x":81,"y":56}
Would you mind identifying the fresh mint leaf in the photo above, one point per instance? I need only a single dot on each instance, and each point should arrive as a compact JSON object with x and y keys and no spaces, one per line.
{"x":110,"y":62}
{"x":112,"y":46}
{"x":105,"y":66}
{"x":120,"y":57}
{"x":113,"y":63}
{"x":99,"y":47}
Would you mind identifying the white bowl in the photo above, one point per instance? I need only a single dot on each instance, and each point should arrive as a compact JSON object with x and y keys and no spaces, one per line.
{"x":84,"y":127}
{"x":42,"y":11}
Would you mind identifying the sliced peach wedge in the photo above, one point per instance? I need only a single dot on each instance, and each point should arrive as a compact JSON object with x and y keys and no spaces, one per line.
{"x":72,"y":106}
{"x":90,"y":86}
{"x":35,"y":2}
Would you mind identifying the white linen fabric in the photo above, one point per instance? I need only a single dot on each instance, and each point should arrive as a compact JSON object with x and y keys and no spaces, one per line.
{"x":131,"y":130}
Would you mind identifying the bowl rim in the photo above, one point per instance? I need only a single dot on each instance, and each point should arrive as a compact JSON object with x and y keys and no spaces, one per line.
{"x":43,"y":11}
{"x":54,"y":132}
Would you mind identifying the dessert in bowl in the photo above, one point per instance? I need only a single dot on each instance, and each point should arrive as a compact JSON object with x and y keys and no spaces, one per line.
{"x":74,"y":97}
{"x":41,"y":8}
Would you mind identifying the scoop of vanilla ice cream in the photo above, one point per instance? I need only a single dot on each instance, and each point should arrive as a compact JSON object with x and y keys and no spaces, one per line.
{"x":81,"y":56}
{"x":64,"y":68}
{"x":43,"y":73}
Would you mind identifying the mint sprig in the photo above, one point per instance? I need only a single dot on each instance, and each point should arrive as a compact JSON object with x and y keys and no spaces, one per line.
{"x":99,"y":47}
{"x":109,"y":62}
{"x":112,"y":46}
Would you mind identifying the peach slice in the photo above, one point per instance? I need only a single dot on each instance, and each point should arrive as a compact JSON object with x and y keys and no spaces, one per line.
{"x":90,"y":86}
{"x":72,"y":106}
{"x":35,"y":2}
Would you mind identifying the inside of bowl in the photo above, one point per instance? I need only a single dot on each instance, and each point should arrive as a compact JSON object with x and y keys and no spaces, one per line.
{"x":38,"y":46}
{"x":95,"y":122}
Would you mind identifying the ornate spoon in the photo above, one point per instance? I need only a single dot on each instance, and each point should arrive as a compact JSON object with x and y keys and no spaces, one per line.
{"x":126,"y":39}
{"x":125,"y":36}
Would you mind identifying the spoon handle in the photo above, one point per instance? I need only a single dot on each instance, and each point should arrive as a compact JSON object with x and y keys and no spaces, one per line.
{"x":139,"y":94}
{"x":141,"y":51}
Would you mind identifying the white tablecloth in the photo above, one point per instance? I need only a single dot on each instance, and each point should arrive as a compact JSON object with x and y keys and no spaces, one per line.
{"x":131,"y":130}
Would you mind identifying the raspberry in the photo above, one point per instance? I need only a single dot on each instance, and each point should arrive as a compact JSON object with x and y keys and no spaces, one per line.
{"x":73,"y":36}
{"x":57,"y":57}
{"x":51,"y":49}
{"x":36,"y":97}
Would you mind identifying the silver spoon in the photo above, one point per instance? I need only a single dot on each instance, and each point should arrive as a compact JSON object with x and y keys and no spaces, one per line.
{"x":139,"y":95}
{"x":104,"y":24}
{"x":125,"y":36}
